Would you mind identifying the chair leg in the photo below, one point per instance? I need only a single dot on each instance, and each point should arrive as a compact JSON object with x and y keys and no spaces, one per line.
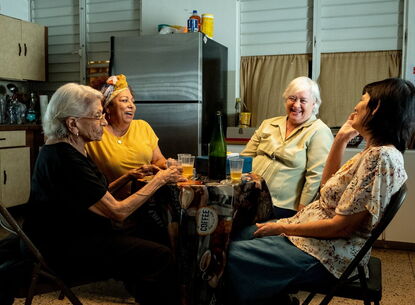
{"x":363,"y":284}
{"x":31,"y":291}
{"x":326,"y":299}
{"x":61,"y":295}
{"x":71,"y":296}
{"x":309,"y":298}
{"x":65,"y":290}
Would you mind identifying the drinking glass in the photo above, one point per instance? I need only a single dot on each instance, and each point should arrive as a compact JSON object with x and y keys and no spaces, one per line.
{"x":236,"y":165}
{"x":173,"y":162}
{"x":180,"y":156}
{"x":188,"y":162}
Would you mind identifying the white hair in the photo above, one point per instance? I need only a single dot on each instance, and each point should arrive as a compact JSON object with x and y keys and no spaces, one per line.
{"x":69,"y":100}
{"x":304,"y":83}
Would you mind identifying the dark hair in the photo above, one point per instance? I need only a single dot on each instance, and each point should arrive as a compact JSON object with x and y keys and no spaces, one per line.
{"x":393,"y":121}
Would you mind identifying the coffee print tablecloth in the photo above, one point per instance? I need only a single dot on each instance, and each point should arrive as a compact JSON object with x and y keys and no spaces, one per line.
{"x":200,"y":220}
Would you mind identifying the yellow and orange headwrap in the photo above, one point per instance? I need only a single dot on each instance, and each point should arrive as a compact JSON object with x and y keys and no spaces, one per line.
{"x":114,"y":85}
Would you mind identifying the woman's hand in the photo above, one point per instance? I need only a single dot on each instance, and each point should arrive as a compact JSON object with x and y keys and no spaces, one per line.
{"x":171,"y":175}
{"x":255,"y":178}
{"x":347,"y":132}
{"x":268,"y":229}
{"x":142,"y":171}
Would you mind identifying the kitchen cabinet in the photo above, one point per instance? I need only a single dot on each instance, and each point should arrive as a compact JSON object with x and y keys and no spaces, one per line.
{"x":19,"y":147}
{"x":23,"y":50}
{"x":14,"y":168}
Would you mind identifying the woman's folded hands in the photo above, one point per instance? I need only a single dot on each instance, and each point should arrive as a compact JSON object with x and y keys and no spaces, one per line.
{"x":171,"y":175}
{"x":142,"y":171}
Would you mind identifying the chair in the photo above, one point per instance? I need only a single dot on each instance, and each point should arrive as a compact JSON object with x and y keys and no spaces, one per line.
{"x":367,"y":289}
{"x":40,"y":268}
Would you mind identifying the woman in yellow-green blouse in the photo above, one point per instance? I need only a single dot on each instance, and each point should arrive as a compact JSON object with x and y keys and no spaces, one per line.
{"x":290,"y":151}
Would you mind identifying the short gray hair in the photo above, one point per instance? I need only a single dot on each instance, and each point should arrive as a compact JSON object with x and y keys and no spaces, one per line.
{"x":69,"y":100}
{"x":304,"y":83}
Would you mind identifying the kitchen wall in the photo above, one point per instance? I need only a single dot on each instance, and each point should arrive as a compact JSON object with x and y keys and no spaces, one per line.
{"x":16,"y":8}
{"x":225,"y":28}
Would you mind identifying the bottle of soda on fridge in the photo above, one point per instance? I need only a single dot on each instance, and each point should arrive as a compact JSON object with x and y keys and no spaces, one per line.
{"x":193,"y":23}
{"x":217,"y":151}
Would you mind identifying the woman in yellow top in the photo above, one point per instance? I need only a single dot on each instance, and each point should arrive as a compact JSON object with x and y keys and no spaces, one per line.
{"x":126,"y":144}
{"x":290,"y":151}
{"x":127,"y":148}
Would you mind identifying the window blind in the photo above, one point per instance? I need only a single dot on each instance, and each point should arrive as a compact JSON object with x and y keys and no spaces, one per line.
{"x":62,"y":19}
{"x":103,"y":20}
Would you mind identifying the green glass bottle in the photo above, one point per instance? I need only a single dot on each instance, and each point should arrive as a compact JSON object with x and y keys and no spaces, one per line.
{"x":217,"y":151}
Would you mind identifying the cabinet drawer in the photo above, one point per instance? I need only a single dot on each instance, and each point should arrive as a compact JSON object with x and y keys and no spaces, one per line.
{"x":14,"y":176}
{"x":12,"y":138}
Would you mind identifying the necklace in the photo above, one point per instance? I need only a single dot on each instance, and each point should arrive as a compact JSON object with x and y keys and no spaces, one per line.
{"x":120,"y":132}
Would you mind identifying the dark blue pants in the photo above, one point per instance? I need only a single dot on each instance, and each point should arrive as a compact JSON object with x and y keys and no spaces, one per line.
{"x":259,"y":269}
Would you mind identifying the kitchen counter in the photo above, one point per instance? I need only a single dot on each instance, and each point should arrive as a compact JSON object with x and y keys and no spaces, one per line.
{"x":21,"y":127}
{"x":34,"y":138}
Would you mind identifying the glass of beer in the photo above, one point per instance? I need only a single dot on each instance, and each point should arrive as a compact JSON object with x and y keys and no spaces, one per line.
{"x":187,"y":162}
{"x":236,"y":165}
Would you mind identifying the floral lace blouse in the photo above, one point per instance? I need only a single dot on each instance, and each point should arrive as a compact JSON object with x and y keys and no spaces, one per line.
{"x":365,"y":182}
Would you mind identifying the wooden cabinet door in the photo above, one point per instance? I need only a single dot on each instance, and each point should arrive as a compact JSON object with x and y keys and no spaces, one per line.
{"x":10,"y":47}
{"x":14,"y":175}
{"x":33,"y":54}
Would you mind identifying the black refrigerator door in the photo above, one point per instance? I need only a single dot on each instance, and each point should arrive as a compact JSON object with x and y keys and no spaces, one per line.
{"x":214,"y":90}
{"x":177,"y":126}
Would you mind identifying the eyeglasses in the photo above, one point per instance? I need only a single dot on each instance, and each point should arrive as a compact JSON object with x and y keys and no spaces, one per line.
{"x":99,"y":117}
{"x":293,"y":99}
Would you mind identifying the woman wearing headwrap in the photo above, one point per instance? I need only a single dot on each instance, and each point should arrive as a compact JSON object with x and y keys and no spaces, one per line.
{"x":126,"y":147}
{"x":126,"y":144}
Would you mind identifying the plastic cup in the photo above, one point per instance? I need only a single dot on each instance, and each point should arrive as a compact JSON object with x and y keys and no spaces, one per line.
{"x":188,"y":162}
{"x":173,"y":162}
{"x":236,"y":165}
{"x":181,"y":156}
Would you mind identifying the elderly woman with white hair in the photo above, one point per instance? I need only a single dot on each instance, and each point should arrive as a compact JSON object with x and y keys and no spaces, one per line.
{"x":72,"y":209}
{"x":290,"y":151}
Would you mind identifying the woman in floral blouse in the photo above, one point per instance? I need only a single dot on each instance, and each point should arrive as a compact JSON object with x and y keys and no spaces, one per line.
{"x":321,"y":240}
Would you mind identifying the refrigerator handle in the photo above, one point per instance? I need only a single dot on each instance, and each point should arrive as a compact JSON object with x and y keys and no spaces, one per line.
{"x":111,"y":56}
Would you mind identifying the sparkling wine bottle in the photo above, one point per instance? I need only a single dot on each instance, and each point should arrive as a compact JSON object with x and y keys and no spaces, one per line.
{"x":217,"y":151}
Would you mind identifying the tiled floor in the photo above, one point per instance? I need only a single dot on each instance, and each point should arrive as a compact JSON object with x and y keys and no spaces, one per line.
{"x":398,"y":285}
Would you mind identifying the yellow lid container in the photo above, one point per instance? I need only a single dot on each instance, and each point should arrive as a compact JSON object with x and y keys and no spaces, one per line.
{"x":207,"y":24}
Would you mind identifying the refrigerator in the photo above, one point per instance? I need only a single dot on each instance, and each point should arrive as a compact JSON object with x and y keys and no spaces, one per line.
{"x":179,"y":82}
